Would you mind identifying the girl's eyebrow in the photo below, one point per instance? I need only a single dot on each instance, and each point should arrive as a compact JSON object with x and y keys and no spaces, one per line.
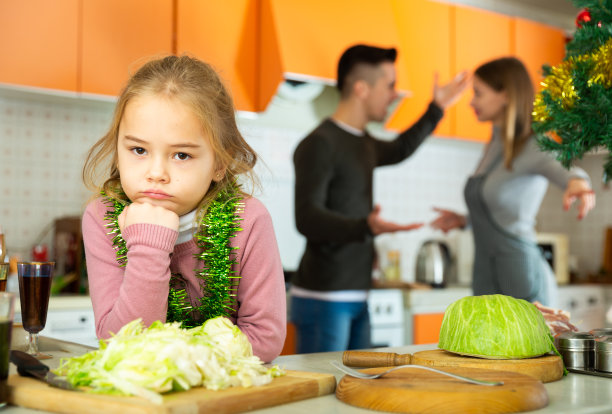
{"x":179,"y":145}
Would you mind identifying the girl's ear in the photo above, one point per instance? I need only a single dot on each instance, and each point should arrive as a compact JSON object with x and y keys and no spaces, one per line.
{"x":219,"y":174}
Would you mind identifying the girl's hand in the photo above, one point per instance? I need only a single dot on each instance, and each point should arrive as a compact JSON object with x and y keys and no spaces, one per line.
{"x":579,"y":189}
{"x":147,"y":213}
{"x":448,"y":220}
{"x":379,"y":226}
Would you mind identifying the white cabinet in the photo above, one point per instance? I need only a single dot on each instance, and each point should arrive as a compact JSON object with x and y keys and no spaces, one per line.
{"x":69,"y":319}
{"x":386,"y":307}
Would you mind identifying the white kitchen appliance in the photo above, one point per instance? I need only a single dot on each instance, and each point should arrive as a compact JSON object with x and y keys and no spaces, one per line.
{"x":555,"y":248}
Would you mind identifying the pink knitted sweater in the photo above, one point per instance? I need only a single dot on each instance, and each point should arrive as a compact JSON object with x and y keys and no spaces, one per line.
{"x":140,"y":290}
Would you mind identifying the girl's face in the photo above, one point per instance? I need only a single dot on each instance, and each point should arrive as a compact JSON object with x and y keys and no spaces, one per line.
{"x":489,"y":104}
{"x":164,"y":158}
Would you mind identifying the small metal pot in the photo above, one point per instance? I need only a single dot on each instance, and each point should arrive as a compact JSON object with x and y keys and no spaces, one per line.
{"x":601,"y":332}
{"x":603,"y":353}
{"x":577,"y":349}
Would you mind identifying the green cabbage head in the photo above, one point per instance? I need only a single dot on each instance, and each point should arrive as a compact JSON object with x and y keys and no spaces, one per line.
{"x":495,"y":327}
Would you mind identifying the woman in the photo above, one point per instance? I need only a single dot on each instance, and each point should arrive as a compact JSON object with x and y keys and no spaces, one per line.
{"x":504,"y":194}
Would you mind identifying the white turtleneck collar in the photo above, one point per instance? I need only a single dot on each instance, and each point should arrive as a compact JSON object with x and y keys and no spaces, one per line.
{"x":187,"y":227}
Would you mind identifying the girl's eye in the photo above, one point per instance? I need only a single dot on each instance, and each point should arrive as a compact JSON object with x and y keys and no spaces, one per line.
{"x":138,"y":150}
{"x":182,"y":156}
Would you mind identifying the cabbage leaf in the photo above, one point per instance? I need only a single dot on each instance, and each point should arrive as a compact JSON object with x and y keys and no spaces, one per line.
{"x":165,"y":357}
{"x":495,"y":327}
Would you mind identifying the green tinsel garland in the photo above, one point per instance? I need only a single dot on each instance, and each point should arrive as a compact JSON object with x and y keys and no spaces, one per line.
{"x":219,"y":283}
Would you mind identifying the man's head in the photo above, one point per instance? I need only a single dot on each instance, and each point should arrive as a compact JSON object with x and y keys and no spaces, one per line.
{"x":368,"y":72}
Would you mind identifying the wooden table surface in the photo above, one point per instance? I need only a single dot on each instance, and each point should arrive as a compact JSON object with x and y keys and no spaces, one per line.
{"x":575,"y":393}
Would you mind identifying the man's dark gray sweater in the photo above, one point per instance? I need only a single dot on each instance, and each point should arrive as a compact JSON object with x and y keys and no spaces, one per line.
{"x":333,"y":197}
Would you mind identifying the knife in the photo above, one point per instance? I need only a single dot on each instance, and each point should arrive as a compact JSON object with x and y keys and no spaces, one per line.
{"x":28,"y":366}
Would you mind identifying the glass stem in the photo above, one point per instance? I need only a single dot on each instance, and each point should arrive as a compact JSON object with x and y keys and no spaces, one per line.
{"x":32,"y":344}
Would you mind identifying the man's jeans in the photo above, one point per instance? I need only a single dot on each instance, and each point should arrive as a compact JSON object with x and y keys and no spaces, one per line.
{"x":324,"y":326}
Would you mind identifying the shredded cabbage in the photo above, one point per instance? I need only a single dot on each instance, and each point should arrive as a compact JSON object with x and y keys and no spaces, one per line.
{"x":164,"y":357}
{"x":495,"y":327}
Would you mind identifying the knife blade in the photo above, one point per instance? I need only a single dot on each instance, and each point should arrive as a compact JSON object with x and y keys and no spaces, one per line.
{"x":28,"y":366}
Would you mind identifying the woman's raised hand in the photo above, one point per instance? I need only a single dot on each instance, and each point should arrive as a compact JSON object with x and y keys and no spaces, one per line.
{"x":579,"y":189}
{"x":448,"y":220}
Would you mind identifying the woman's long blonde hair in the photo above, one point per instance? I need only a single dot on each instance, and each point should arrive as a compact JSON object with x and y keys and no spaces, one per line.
{"x":197,"y":85}
{"x":510,"y":75}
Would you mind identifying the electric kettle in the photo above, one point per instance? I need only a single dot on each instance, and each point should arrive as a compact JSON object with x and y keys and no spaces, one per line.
{"x":433,"y":263}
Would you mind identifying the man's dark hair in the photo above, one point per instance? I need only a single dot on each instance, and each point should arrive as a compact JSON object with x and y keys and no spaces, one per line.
{"x":362,"y":54}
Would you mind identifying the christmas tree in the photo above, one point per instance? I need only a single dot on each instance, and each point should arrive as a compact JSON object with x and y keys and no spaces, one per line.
{"x":573,"y":111}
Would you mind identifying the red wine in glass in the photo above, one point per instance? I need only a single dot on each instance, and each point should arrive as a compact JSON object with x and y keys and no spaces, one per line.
{"x":34,"y":290}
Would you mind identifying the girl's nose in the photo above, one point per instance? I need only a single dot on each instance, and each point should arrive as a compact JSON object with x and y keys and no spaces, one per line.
{"x":158,"y":171}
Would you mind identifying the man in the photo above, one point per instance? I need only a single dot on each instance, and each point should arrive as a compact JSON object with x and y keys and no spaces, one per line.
{"x":334,"y":168}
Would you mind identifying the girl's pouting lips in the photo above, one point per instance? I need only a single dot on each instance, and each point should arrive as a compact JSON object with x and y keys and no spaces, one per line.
{"x":160,"y":195}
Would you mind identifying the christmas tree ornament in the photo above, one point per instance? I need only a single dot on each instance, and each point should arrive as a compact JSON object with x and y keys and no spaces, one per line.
{"x":583,"y":17}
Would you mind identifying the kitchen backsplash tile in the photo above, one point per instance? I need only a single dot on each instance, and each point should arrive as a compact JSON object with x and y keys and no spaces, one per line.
{"x":44,"y":140}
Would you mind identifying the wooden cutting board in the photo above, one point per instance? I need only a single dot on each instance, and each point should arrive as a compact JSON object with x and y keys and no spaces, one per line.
{"x":294,"y":386}
{"x":546,"y":368}
{"x":413,"y":390}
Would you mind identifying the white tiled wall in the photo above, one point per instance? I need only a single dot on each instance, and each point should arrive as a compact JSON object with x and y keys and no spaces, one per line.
{"x":587,"y":236}
{"x":43,"y":140}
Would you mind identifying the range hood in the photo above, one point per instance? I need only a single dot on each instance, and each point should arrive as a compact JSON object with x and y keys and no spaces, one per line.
{"x":302,"y":41}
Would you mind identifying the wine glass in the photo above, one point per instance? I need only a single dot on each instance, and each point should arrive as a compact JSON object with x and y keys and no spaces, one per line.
{"x":34,"y":290}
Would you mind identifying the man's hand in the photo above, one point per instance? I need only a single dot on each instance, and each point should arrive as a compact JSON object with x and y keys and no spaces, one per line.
{"x":446,"y":95}
{"x":380,"y":226}
{"x":147,"y":213}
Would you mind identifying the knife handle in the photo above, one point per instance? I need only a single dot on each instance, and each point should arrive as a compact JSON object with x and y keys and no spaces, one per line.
{"x":375,"y":359}
{"x":26,"y":364}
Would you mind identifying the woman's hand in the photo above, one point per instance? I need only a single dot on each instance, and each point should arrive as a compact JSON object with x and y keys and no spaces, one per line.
{"x":446,"y":95}
{"x":579,"y":189}
{"x":448,"y":220}
{"x":380,"y":226}
{"x":147,"y":213}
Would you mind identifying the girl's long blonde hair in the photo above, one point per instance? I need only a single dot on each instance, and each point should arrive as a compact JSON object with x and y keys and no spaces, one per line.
{"x":197,"y":85}
{"x":510,"y":75}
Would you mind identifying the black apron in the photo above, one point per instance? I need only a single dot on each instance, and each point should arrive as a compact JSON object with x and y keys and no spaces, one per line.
{"x":503,"y":262}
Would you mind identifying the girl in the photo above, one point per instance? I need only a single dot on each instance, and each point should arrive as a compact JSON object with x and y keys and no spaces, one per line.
{"x":504,"y":194}
{"x":171,"y":236}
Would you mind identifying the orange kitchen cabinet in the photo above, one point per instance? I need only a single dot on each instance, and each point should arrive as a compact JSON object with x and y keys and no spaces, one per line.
{"x":424,"y":29}
{"x":118,"y":36}
{"x":479,"y":36}
{"x":290,"y":346}
{"x":537,"y":44}
{"x":426,"y":328}
{"x":39,"y":43}
{"x":224,"y":34}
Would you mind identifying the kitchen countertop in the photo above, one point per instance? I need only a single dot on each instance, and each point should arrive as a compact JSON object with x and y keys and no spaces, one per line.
{"x":575,"y":393}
